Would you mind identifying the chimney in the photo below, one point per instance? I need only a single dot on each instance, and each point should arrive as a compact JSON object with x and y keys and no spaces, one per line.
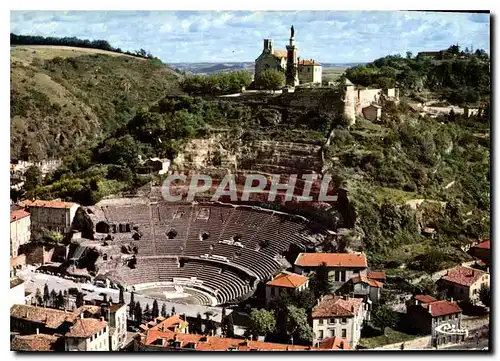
{"x":451,"y":299}
{"x":37,"y":331}
{"x":341,"y":346}
{"x":430,"y":310}
{"x":345,"y":297}
{"x":352,"y":308}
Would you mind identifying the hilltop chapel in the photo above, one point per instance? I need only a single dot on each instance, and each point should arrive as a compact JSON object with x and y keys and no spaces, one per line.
{"x":297,"y":71}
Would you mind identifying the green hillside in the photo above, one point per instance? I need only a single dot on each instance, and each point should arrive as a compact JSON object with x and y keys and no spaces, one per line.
{"x":64,"y":97}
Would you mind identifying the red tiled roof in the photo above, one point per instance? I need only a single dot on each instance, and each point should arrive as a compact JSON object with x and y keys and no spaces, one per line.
{"x":442,"y":308}
{"x":50,"y":317}
{"x":48,"y":204}
{"x":92,"y":309}
{"x":484,"y":244}
{"x":464,"y":276}
{"x":18,"y":214}
{"x":332,"y":306}
{"x":289,"y":280}
{"x":425,"y":298}
{"x":35,"y":342}
{"x":367,"y":280}
{"x":86,"y":327}
{"x":308,"y":63}
{"x":215,"y":343}
{"x":376,"y":275}
{"x":331,"y":260}
{"x":280,"y":53}
{"x":334,"y":343}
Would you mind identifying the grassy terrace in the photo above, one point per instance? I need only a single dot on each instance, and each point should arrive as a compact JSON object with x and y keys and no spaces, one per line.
{"x":390,"y":336}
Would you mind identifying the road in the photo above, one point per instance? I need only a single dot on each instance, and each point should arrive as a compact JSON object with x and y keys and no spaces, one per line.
{"x":34,"y":280}
{"x":471,"y":345}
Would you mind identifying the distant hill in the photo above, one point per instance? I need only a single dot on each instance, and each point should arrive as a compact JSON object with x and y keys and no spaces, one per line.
{"x":62,"y":97}
{"x":209,"y":68}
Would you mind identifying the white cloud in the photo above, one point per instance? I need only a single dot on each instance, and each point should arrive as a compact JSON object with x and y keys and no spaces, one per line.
{"x":328,"y":36}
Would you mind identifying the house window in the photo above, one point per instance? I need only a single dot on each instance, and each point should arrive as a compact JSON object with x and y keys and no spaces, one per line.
{"x":344,"y":320}
{"x":320,"y":321}
{"x":342,"y":276}
{"x":337,"y":276}
{"x":344,"y":332}
{"x":308,"y":70}
{"x":320,"y":334}
{"x":272,"y":291}
{"x":331,"y":321}
{"x":332,"y":332}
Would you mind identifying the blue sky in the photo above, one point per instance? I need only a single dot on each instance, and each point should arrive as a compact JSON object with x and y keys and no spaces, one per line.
{"x":223,"y":36}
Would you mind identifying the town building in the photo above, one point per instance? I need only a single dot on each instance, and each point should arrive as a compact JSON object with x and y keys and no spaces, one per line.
{"x":17,"y":293}
{"x":341,"y":266}
{"x":364,"y":102}
{"x":427,"y":313}
{"x":37,"y":342}
{"x":285,"y":283}
{"x":87,"y":334}
{"x":463,"y":283}
{"x":335,"y":316}
{"x":51,"y":215}
{"x":366,"y":288}
{"x":171,"y":335}
{"x":20,"y":230}
{"x":287,"y":61}
{"x":27,"y":319}
{"x":377,"y":276}
{"x":310,"y":71}
{"x":481,"y":251}
{"x":117,"y":319}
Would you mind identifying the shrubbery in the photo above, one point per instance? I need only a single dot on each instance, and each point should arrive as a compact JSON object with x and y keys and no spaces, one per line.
{"x":216,"y":84}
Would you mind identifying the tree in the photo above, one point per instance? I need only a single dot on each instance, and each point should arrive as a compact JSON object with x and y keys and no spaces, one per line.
{"x":131,"y":306}
{"x":147,"y":312}
{"x":33,"y":179}
{"x":262,"y":322}
{"x":223,"y":324}
{"x":79,"y":299}
{"x":164,"y":310}
{"x":297,"y":325}
{"x":485,"y":295}
{"x":38,"y":297}
{"x":196,"y":325}
{"x":121,"y":297}
{"x":271,"y":79}
{"x":428,"y":286}
{"x":451,"y":115}
{"x":409,"y":55}
{"x":230,"y":326}
{"x":321,"y":283}
{"x":155,"y":312}
{"x":46,"y":295}
{"x":53,"y":298}
{"x":210,"y":327}
{"x":454,"y":49}
{"x":138,"y":313}
{"x":59,"y":300}
{"x":383,"y":317}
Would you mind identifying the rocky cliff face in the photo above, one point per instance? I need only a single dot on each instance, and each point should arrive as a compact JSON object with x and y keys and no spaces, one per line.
{"x":261,"y":156}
